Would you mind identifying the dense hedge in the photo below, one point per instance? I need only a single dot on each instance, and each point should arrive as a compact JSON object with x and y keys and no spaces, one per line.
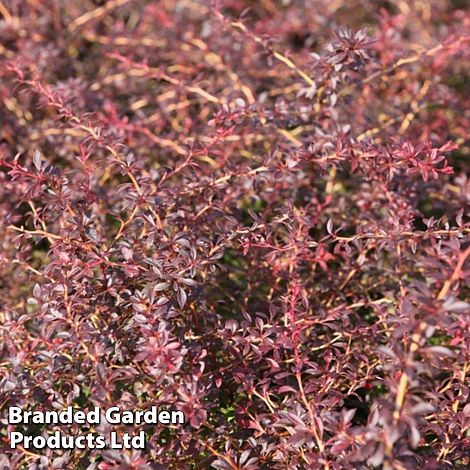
{"x":257,"y":216}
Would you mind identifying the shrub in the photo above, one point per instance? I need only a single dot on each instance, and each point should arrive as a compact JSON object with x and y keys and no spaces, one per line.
{"x":256,"y":216}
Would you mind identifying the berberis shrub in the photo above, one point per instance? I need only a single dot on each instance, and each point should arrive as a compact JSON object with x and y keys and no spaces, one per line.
{"x":254,"y":212}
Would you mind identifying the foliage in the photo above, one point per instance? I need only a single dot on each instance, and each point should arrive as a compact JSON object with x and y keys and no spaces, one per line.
{"x":257,"y":216}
